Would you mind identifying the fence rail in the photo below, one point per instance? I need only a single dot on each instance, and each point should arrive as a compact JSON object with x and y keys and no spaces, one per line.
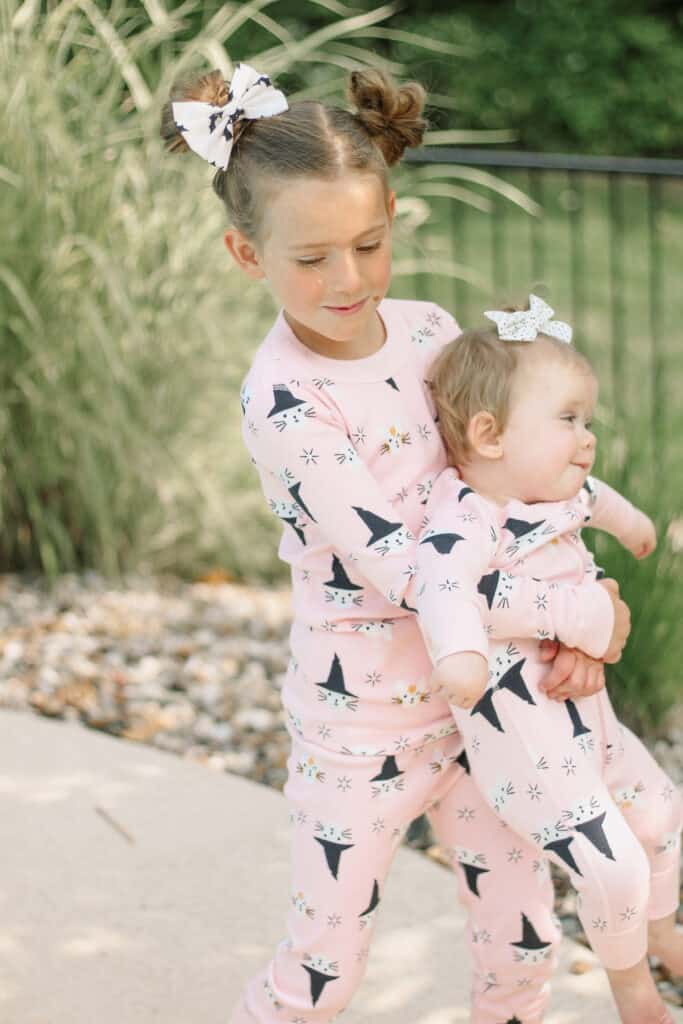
{"x":604,"y":247}
{"x":547,"y":161}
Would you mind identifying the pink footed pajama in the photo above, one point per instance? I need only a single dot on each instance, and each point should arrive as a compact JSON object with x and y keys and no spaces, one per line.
{"x":567,"y":776}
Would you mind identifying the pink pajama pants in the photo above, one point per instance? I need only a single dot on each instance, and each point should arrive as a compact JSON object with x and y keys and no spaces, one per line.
{"x":372,"y":750}
{"x":585,"y":792}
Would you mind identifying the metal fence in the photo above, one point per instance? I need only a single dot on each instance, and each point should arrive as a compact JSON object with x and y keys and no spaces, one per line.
{"x":600,"y":238}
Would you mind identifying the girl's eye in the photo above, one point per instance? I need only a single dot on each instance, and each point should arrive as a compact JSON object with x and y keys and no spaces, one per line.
{"x":312,"y":262}
{"x":372,"y":247}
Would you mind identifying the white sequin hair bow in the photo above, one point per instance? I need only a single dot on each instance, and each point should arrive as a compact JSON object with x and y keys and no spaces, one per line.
{"x":526,"y":324}
{"x":209,"y":130}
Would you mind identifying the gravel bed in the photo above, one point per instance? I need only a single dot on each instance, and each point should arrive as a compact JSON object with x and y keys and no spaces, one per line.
{"x":191,"y":668}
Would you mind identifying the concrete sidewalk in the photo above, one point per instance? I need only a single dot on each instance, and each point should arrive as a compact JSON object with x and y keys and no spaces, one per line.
{"x":131,"y":892}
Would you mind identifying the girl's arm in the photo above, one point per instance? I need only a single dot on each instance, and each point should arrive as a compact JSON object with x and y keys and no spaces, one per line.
{"x":318,"y":484}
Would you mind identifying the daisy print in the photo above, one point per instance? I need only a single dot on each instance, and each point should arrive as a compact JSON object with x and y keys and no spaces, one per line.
{"x":394,"y":440}
{"x":310,"y":771}
{"x":410,"y":694}
{"x":302,"y":905}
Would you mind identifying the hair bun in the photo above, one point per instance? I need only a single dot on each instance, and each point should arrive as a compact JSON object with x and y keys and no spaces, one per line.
{"x":209,"y":88}
{"x":391,"y":113}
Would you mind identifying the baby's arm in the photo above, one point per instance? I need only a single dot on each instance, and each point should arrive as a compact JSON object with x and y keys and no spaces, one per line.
{"x":611,"y":512}
{"x":586,"y":616}
{"x":453,"y":554}
{"x":579,"y":616}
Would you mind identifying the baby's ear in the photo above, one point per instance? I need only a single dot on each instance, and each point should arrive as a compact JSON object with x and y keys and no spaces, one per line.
{"x":244,"y":253}
{"x":483,"y":434}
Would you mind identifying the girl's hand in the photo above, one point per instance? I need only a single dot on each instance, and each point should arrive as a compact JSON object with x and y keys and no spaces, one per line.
{"x":622,"y":623}
{"x":573,"y":674}
{"x":461,"y":678}
{"x":643,"y":537}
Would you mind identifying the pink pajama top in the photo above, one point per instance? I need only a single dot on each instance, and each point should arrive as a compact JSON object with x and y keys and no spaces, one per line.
{"x":348,"y":452}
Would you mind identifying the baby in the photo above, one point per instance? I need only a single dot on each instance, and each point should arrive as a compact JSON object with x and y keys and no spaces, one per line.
{"x":514,"y":407}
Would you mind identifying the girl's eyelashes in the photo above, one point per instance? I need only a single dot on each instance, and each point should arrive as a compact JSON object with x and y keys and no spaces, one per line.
{"x":313,"y":261}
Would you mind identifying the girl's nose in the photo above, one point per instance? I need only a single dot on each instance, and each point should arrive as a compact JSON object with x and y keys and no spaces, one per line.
{"x":347,"y":278}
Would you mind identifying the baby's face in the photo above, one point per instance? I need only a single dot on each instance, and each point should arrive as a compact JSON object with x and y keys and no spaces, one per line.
{"x":548,"y":445}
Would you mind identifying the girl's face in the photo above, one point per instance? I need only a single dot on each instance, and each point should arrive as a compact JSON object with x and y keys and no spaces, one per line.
{"x":325,"y":252}
{"x":548,"y":446}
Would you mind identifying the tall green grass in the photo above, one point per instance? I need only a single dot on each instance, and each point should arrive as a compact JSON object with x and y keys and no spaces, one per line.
{"x":122,"y":326}
{"x":647,"y":683}
{"x":124,"y":330}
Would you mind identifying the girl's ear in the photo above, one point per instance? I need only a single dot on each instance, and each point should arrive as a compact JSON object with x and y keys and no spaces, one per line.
{"x":391,"y":207}
{"x":484,"y":435}
{"x":244,"y":253}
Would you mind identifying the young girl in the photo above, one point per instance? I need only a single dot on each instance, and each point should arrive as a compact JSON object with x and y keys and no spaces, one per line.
{"x":515,"y":410}
{"x":338,"y":421}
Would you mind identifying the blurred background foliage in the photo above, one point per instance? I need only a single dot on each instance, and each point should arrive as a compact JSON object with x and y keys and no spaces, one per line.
{"x":565,"y":75}
{"x":125,"y":331}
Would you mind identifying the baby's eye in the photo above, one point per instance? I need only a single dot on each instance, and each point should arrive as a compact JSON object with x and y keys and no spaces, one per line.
{"x":569,"y":417}
{"x":588,"y":424}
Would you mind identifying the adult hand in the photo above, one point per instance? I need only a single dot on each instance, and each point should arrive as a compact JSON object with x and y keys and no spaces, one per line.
{"x":622,"y":623}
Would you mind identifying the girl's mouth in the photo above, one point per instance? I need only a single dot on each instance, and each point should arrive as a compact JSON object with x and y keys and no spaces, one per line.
{"x":347,"y":310}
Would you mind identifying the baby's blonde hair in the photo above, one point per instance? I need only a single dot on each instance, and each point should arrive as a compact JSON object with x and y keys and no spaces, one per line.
{"x":475,"y":372}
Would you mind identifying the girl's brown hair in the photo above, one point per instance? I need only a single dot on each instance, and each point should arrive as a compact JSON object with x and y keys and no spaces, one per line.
{"x":475,"y":372}
{"x":308,"y":139}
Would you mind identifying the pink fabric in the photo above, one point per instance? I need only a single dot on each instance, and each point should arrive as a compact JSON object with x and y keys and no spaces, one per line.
{"x":566,"y":776}
{"x":341,"y":854}
{"x":347,"y":453}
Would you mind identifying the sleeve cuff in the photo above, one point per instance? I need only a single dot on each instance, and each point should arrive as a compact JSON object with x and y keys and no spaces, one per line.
{"x":466,"y":634}
{"x":584,"y":617}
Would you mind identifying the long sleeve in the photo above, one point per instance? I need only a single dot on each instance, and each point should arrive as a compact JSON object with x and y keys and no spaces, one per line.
{"x":579,"y":616}
{"x":609,"y":510}
{"x":453,"y":555}
{"x":462,"y":600}
{"x":317,"y":484}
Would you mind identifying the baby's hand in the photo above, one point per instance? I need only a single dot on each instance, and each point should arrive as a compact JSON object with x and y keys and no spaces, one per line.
{"x":642,"y":538}
{"x":461,"y":678}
